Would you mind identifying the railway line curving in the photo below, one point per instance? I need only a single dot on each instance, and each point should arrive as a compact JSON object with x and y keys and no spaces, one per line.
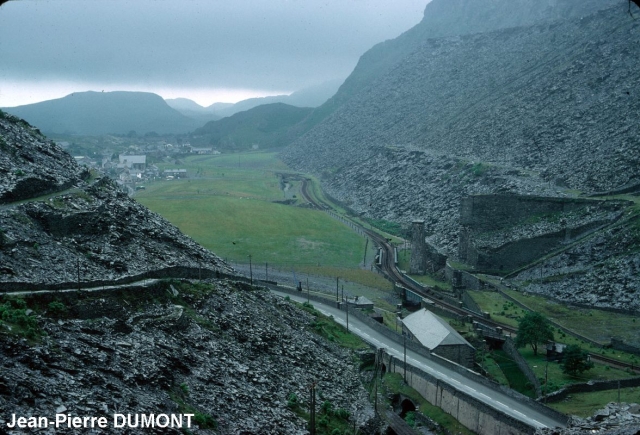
{"x":389,"y":268}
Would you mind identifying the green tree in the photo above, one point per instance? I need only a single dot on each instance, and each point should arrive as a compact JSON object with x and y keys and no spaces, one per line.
{"x":575,"y":360}
{"x":534,"y":329}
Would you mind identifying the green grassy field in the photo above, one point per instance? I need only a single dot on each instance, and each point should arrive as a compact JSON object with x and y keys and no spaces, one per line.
{"x":227,"y":205}
{"x":585,"y":404}
{"x":597,"y":325}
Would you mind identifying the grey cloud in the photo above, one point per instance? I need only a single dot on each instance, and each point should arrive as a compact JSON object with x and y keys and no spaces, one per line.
{"x":276,"y":44}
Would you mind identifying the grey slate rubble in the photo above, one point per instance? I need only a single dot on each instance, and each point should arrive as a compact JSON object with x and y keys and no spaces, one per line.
{"x":234,"y":353}
{"x":87,"y":224}
{"x":547,"y":109}
{"x":614,"y":419}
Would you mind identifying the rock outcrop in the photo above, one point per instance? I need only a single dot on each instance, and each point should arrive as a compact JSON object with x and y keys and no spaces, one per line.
{"x":69,"y":227}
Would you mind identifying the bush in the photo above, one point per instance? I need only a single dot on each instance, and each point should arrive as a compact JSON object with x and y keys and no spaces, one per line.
{"x":205,"y":421}
{"x":57,"y":308}
{"x":327,"y":407}
{"x":342,"y":413}
{"x":292,"y":401}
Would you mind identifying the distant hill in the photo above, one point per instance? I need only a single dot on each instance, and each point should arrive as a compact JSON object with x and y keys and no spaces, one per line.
{"x":96,"y":113}
{"x":267,"y":126}
{"x":193,"y":110}
{"x":313,"y":96}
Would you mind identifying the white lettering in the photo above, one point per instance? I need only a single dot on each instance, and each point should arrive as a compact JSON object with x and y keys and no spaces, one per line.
{"x":176,"y":420}
{"x":147,"y":421}
{"x":43,"y":422}
{"x":129,"y":424}
{"x":189,"y":419}
{"x":166,"y":420}
{"x":60,"y":419}
{"x":22,"y":422}
{"x":102,"y":422}
{"x":116,"y":423}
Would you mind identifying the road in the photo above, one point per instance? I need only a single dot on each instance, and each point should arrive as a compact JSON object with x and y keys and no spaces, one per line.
{"x":495,"y":399}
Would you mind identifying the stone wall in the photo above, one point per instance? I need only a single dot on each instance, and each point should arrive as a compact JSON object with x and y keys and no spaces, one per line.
{"x":470,"y":412}
{"x":491,"y":212}
{"x":486,"y":220}
{"x":589,"y":387}
{"x":511,"y":350}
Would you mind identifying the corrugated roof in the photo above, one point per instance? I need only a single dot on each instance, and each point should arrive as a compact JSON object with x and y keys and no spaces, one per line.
{"x":431,"y":331}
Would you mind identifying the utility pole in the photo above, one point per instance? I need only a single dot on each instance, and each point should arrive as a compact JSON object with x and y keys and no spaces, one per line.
{"x":342,"y":293}
{"x":337,"y":278}
{"x":364,"y":260}
{"x":266,"y":271}
{"x":346,"y":307}
{"x":250,"y":268}
{"x":312,"y":410}
{"x":404,"y":342}
{"x":308,"y":291}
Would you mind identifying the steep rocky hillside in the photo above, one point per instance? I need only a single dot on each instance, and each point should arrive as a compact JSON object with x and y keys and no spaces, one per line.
{"x":548,"y":109}
{"x":231,"y":355}
{"x":445,"y":18}
{"x":83,"y":229}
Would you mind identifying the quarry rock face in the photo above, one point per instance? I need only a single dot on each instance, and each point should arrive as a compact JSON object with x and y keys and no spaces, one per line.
{"x":57,"y":225}
{"x":546,"y":109}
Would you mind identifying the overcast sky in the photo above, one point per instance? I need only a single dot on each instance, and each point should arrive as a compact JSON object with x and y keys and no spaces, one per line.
{"x":209,"y":51}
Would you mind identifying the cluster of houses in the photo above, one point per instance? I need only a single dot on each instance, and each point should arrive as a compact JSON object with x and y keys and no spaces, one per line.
{"x":131,"y":170}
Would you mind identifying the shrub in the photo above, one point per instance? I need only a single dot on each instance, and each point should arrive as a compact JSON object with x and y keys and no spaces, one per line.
{"x":292,"y":401}
{"x":327,"y":407}
{"x":57,"y":308}
{"x":205,"y":421}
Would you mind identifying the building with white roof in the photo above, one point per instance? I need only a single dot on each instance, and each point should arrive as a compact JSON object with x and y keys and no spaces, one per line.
{"x":438,"y":336}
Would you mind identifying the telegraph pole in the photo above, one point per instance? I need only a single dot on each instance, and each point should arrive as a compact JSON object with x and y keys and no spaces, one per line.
{"x":250,"y":268}
{"x":308,"y":291}
{"x":266,"y":271}
{"x":312,"y":410}
{"x":364,"y":260}
{"x":404,"y":341}
{"x":337,"y":278}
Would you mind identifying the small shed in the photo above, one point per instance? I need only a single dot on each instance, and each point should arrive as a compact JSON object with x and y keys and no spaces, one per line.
{"x":360,"y":302}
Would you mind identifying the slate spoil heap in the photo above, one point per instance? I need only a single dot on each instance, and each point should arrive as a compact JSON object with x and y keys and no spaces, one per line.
{"x":614,"y":419}
{"x":58,"y":225}
{"x":228,"y":353}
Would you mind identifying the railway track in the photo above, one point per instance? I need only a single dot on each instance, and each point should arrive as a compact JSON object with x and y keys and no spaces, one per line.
{"x":389,"y":268}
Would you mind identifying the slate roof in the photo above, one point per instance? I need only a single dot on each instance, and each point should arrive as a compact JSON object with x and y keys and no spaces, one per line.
{"x":432,"y":331}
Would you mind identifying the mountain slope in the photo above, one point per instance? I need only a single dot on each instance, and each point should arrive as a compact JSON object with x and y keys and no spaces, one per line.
{"x":96,"y":113}
{"x":267,"y":126}
{"x":447,"y":18}
{"x":549,"y":109}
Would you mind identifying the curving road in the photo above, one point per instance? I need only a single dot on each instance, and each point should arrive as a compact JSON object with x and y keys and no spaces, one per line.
{"x":494,"y":398}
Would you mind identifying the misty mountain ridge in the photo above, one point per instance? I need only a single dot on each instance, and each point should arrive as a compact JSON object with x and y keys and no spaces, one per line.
{"x":98,"y":113}
{"x":313,"y":96}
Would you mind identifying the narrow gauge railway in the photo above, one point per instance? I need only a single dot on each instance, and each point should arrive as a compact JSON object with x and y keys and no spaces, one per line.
{"x":388,"y":267}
